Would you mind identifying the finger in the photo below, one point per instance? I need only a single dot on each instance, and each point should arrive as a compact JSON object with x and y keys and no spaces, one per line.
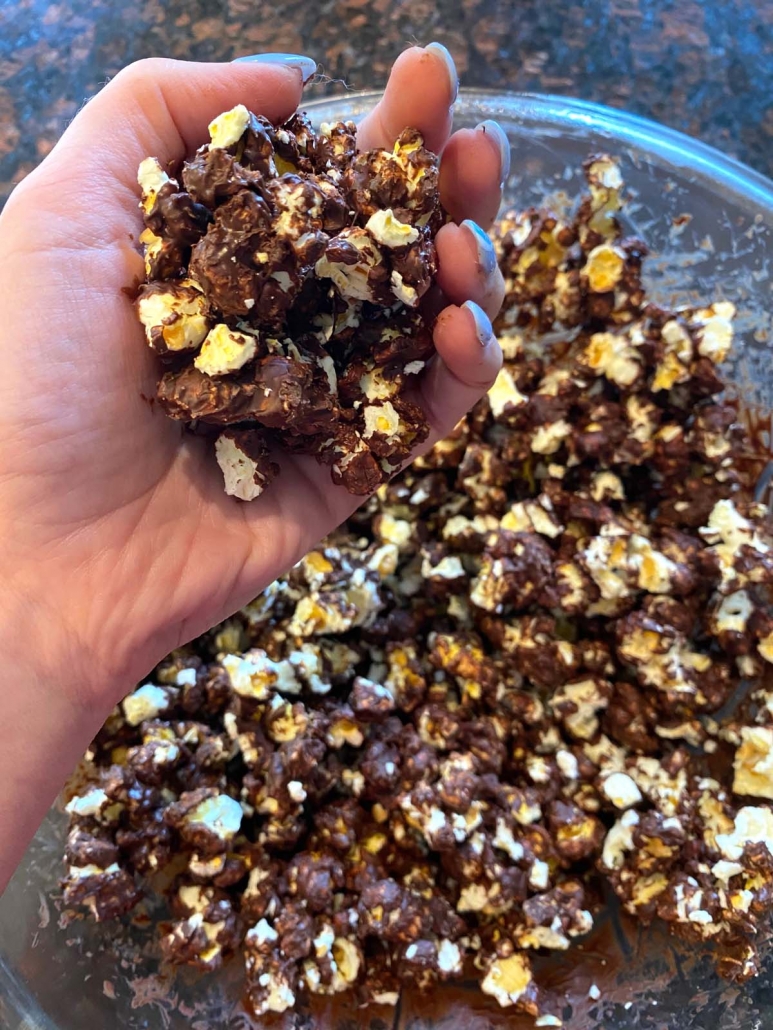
{"x":466,"y":364}
{"x":475,"y":166}
{"x":161,"y":108}
{"x":467,"y":267}
{"x":421,"y":90}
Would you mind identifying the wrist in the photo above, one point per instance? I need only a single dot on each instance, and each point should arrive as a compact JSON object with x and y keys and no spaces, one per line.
{"x":48,"y":724}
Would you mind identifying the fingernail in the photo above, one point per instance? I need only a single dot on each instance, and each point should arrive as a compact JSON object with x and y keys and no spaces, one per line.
{"x":497,"y":133}
{"x":484,"y":248}
{"x":483,"y":329}
{"x":305,"y":65}
{"x":445,"y":55}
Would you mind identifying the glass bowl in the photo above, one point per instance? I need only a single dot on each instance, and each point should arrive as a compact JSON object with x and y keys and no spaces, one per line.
{"x":707,"y":220}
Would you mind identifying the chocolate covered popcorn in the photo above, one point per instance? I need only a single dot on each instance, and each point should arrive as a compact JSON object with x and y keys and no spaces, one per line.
{"x":424,"y":753}
{"x":285,"y":272}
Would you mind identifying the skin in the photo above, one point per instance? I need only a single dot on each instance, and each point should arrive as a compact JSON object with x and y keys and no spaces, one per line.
{"x":117,"y":542}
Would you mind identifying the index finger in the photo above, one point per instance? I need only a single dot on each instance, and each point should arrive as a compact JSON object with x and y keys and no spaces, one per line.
{"x":420,"y":93}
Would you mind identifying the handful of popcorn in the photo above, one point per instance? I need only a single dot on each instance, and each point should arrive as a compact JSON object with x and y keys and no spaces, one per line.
{"x":284,"y":277}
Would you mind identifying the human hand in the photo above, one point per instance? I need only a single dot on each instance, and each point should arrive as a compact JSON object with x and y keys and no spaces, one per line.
{"x":115,"y":526}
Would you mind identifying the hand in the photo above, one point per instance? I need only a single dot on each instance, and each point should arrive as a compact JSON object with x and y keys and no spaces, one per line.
{"x":117,"y":542}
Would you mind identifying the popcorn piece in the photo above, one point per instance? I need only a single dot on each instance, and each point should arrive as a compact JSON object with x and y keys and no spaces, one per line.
{"x":504,"y":395}
{"x":619,"y":840}
{"x":715,"y":330}
{"x":147,"y":702}
{"x":615,"y":356}
{"x":390,"y":231}
{"x":206,"y":820}
{"x":751,"y":826}
{"x":509,"y":980}
{"x":604,"y":267}
{"x":174,"y":315}
{"x":355,"y":265}
{"x":753,"y":763}
{"x":151,"y":179}
{"x":224,"y":351}
{"x":245,"y":463}
{"x":621,"y":790}
{"x":229,"y":127}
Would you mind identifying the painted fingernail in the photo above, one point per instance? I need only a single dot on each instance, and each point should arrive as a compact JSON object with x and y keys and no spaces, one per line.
{"x":483,"y":329}
{"x":307,"y":66}
{"x":484,"y":248}
{"x":497,"y":133}
{"x":445,"y":56}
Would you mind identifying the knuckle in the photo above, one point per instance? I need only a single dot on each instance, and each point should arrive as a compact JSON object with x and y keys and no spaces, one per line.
{"x":140,"y":74}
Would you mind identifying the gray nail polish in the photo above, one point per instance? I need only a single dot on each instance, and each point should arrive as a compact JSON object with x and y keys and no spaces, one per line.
{"x":306,"y":65}
{"x":497,"y":133}
{"x":487,"y":256}
{"x":483,"y":329}
{"x":445,"y":55}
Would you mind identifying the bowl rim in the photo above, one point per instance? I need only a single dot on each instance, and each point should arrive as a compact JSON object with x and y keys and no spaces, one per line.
{"x":651,"y":137}
{"x":559,"y":114}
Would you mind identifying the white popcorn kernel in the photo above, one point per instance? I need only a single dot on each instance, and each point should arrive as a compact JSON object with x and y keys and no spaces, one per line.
{"x":145,"y":703}
{"x":621,"y":790}
{"x":174,"y":316}
{"x":733,"y":613}
{"x":221,"y":815}
{"x":619,"y":840}
{"x":472,"y":898}
{"x":507,"y":979}
{"x":504,"y":394}
{"x":352,"y":281}
{"x":262,"y":933}
{"x":381,"y":419}
{"x":389,"y":231}
{"x":727,"y":531}
{"x":229,"y":127}
{"x":751,"y":826}
{"x":613,"y":356}
{"x":539,"y":876}
{"x":87,"y":804}
{"x":725,"y":871}
{"x":83,"y":872}
{"x":753,"y":763}
{"x":715,"y":333}
{"x":405,"y":293}
{"x":296,"y":791}
{"x":224,"y":350}
{"x":568,"y":765}
{"x":604,"y":267}
{"x":205,"y":868}
{"x":449,"y":957}
{"x":242,"y":475}
{"x":386,"y":998}
{"x":449,"y":567}
{"x":548,"y":439}
{"x":151,"y":178}
{"x":504,"y":840}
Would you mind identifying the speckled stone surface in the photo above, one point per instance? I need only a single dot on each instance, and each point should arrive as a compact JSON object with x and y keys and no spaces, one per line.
{"x":703,"y":67}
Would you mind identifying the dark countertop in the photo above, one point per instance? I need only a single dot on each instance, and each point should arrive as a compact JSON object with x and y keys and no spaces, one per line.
{"x":705,"y":68}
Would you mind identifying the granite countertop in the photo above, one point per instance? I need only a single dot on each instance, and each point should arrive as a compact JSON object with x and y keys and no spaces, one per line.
{"x":703,"y":67}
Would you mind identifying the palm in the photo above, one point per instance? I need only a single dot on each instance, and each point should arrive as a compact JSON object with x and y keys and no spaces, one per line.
{"x":123,"y":479}
{"x":142,"y":549}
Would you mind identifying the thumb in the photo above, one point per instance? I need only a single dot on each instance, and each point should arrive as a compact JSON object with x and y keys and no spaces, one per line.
{"x":162,"y":107}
